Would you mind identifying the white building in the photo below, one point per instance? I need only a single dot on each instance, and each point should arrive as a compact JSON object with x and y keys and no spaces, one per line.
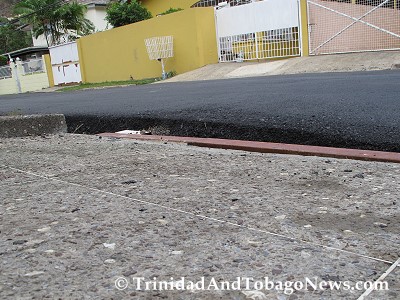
{"x":96,"y":13}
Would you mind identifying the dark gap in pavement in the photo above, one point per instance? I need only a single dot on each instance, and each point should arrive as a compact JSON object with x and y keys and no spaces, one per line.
{"x":89,"y":124}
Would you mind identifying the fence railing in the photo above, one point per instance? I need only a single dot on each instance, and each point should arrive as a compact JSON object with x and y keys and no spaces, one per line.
{"x":5,"y":72}
{"x":215,"y":3}
{"x":32,"y":66}
{"x":260,"y":45}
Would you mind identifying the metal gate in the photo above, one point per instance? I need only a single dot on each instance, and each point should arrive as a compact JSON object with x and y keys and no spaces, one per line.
{"x":65,"y":63}
{"x":341,"y":26}
{"x":258,"y":30}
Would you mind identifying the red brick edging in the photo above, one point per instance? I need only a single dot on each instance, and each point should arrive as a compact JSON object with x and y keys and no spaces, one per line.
{"x":265,"y":147}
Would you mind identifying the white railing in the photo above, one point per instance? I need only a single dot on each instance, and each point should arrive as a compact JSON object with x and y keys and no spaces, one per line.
{"x":273,"y":31}
{"x":32,"y":66}
{"x":215,"y":3}
{"x":260,"y":45}
{"x":5,"y":72}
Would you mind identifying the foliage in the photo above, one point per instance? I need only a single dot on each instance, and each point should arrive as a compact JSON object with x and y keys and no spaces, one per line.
{"x":3,"y":60}
{"x":171,"y":74}
{"x":73,"y":15}
{"x":12,"y":39}
{"x":120,"y":14}
{"x":56,"y":20}
{"x":171,"y":10}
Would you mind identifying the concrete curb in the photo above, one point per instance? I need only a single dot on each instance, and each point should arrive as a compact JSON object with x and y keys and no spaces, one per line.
{"x":31,"y":125}
{"x":264,"y":147}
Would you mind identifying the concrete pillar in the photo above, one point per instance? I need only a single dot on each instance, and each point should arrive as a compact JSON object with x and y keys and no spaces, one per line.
{"x":48,"y":68}
{"x":16,"y":71}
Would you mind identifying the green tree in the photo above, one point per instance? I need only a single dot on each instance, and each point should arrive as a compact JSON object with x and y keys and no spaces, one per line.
{"x":3,"y":60}
{"x":120,"y":14}
{"x":54,"y":19}
{"x":11,"y":38}
{"x":73,"y":16}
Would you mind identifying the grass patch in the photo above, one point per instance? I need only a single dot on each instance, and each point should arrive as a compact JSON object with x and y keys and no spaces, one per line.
{"x":14,"y":113}
{"x":107,"y":84}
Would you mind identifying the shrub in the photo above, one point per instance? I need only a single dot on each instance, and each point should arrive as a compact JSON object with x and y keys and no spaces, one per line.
{"x":120,"y":14}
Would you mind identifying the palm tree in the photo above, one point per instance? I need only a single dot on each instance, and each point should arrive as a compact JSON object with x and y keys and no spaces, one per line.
{"x":73,"y":16}
{"x":55,"y":19}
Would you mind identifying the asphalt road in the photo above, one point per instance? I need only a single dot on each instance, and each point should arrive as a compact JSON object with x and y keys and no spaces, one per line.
{"x":356,"y":110}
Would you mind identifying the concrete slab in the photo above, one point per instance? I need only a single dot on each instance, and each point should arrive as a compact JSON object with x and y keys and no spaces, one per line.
{"x":79,"y":212}
{"x":31,"y":125}
{"x":393,"y":281}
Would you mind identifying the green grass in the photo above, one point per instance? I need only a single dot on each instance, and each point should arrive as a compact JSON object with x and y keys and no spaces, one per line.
{"x":14,"y":113}
{"x":108,"y":84}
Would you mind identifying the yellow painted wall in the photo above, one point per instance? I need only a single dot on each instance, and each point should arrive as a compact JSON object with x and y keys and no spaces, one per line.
{"x":28,"y":83}
{"x":33,"y":82}
{"x":8,"y":86}
{"x":159,"y":6}
{"x":49,"y":69}
{"x":120,"y":53}
{"x":304,"y":28}
{"x":266,"y":50}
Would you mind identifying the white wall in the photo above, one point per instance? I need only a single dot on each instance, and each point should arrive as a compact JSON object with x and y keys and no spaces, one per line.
{"x":40,"y":41}
{"x":257,"y":16}
{"x":95,"y":14}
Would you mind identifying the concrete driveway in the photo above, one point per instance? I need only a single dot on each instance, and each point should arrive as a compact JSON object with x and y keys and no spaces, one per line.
{"x":84,"y":218}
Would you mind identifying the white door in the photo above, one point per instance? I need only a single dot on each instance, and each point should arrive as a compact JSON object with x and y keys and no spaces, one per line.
{"x":65,"y":63}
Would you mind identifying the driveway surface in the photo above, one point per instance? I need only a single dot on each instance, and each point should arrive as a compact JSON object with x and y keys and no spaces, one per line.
{"x":82,"y":217}
{"x":354,"y":110}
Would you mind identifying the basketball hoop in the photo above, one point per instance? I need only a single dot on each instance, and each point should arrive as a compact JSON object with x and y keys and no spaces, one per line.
{"x":160,"y":48}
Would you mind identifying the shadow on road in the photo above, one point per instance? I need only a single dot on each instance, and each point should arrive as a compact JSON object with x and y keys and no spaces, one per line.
{"x":97,"y":124}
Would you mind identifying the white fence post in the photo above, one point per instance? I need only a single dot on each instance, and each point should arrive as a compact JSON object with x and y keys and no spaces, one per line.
{"x":15,"y":68}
